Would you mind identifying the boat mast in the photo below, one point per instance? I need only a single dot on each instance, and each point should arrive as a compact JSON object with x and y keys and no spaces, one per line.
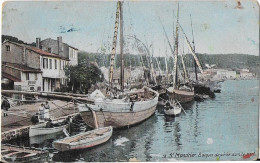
{"x":166,"y":65}
{"x":184,"y":67}
{"x":195,"y":65}
{"x":192,"y":51}
{"x":153,"y":74}
{"x":112,"y":59}
{"x":121,"y":45}
{"x":175,"y":78}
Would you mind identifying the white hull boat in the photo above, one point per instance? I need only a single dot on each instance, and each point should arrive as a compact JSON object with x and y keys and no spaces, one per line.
{"x":41,"y":129}
{"x":175,"y":111}
{"x":134,"y":108}
{"x":172,"y":110}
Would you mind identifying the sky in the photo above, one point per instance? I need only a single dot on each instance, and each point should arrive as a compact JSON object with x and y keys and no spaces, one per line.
{"x":219,"y":27}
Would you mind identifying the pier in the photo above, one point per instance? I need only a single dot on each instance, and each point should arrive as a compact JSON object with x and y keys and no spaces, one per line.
{"x":18,"y":121}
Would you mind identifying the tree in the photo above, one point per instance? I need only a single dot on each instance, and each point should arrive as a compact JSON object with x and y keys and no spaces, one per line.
{"x":82,"y":76}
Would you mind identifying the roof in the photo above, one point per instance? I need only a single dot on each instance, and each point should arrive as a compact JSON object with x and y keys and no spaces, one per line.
{"x":72,"y":47}
{"x":20,"y":67}
{"x":37,"y":50}
{"x":62,"y":42}
{"x":11,"y":77}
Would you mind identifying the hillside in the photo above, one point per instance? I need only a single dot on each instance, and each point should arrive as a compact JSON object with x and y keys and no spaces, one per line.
{"x":225,"y":61}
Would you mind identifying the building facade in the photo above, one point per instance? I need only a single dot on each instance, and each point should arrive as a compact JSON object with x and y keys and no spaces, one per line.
{"x":32,"y":68}
{"x":225,"y":74}
{"x":59,"y":48}
{"x":245,"y":74}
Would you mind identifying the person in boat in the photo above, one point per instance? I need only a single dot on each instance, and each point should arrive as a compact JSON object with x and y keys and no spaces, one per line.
{"x":168,"y":105}
{"x":35,"y":118}
{"x":49,"y":124}
{"x":5,"y":106}
{"x":46,"y":110}
{"x":41,"y":112}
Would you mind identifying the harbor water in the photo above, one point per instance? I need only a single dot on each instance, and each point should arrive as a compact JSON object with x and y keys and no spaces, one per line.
{"x":224,"y":128}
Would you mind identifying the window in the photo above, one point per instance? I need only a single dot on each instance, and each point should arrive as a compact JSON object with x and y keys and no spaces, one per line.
{"x":27,"y":76}
{"x":35,"y":76}
{"x":50,"y":60}
{"x":60,"y":64}
{"x":7,"y":48}
{"x":55,"y":64}
{"x":49,"y":50}
{"x":45,"y":63}
{"x":63,"y":64}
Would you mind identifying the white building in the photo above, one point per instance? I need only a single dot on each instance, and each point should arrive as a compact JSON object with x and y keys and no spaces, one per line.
{"x":225,"y":74}
{"x":244,"y":73}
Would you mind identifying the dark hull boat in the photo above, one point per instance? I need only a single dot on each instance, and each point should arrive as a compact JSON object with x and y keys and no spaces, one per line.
{"x":182,"y":96}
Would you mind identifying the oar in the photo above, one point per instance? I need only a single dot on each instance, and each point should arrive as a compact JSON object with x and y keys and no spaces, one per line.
{"x":181,"y":107}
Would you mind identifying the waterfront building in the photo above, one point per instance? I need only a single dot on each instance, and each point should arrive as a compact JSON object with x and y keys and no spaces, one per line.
{"x":60,"y":48}
{"x":244,"y":73}
{"x":31,"y":68}
{"x":226,"y":74}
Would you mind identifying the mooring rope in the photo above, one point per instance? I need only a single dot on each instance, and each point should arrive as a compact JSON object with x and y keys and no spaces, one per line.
{"x":57,"y":107}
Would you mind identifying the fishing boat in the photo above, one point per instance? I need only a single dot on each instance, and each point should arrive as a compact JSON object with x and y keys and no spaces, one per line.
{"x":44,"y":129}
{"x":134,"y":108}
{"x":84,"y":140}
{"x":172,"y":109}
{"x":11,"y":153}
{"x":129,"y":108}
{"x":183,"y":95}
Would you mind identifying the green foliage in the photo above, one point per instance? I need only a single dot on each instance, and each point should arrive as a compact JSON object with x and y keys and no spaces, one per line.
{"x":82,"y":76}
{"x":15,"y":39}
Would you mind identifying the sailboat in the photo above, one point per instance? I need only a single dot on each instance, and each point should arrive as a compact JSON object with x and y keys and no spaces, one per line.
{"x":183,"y":95}
{"x":131,"y":107}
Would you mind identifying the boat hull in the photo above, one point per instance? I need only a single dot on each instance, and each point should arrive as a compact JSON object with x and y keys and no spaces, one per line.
{"x":174,"y":112}
{"x":181,"y":96}
{"x":62,"y":145}
{"x":117,"y":119}
{"x":40,"y":129}
{"x":121,"y":112}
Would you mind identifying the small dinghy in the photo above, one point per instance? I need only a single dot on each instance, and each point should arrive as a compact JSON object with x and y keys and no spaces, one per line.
{"x":11,"y":153}
{"x":172,"y":109}
{"x":84,"y":140}
{"x":49,"y":127}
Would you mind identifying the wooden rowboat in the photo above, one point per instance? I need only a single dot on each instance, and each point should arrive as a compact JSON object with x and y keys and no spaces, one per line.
{"x":11,"y":153}
{"x":40,"y":129}
{"x":84,"y":140}
{"x":172,"y":109}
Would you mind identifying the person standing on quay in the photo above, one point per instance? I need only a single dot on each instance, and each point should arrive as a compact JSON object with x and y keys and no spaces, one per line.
{"x":46,"y":110}
{"x":5,"y":105}
{"x":41,"y":113}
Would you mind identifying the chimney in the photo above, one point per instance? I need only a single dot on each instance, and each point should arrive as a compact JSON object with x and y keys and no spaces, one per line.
{"x":60,"y":48}
{"x":38,"y":42}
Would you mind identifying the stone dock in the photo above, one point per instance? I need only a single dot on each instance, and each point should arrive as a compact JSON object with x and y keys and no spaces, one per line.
{"x":18,"y":121}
